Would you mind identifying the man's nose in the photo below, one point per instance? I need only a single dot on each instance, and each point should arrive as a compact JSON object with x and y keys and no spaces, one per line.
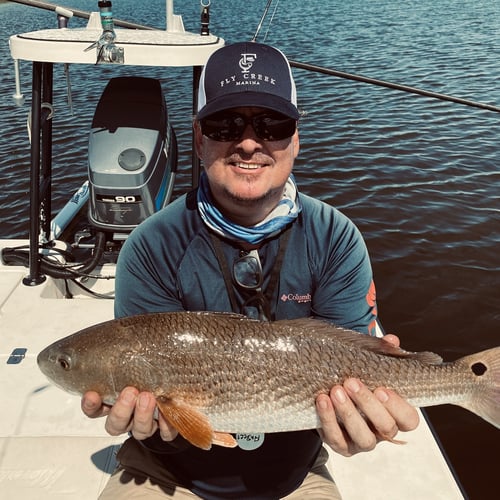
{"x":249,"y":137}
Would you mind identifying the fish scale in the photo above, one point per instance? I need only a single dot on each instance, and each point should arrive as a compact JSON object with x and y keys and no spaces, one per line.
{"x":218,"y":373}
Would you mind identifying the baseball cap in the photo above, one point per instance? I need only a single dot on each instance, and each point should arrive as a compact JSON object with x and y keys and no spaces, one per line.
{"x":247,"y":74}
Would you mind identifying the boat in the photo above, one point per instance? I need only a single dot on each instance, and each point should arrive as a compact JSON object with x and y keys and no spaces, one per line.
{"x":60,"y":280}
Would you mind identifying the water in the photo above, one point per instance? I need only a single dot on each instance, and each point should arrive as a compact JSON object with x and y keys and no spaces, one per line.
{"x":418,"y":176}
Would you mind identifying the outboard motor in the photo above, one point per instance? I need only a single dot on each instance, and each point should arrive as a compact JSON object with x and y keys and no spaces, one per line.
{"x":132,"y":154}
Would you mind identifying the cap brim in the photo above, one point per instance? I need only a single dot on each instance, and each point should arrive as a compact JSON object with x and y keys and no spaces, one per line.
{"x":249,"y":99}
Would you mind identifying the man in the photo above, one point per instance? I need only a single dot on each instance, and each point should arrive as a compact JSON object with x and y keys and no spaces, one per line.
{"x":247,"y":242}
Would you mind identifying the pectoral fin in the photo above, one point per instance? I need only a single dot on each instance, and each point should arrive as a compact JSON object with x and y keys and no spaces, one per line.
{"x":191,"y":424}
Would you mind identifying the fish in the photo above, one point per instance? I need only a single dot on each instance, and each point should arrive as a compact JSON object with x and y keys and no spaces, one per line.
{"x":217,"y":374}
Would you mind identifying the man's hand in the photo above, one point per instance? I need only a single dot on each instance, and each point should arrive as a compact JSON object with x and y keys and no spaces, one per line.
{"x":366,"y":417}
{"x":133,"y":412}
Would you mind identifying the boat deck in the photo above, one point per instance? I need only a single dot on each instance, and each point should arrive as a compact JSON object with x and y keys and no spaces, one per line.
{"x":50,"y":450}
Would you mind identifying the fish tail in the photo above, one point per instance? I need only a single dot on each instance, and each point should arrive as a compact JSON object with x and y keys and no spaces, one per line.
{"x":485,"y":400}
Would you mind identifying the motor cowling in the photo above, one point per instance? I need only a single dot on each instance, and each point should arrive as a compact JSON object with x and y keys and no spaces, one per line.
{"x":132,"y":154}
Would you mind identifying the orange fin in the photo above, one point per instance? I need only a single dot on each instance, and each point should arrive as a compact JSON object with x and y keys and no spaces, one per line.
{"x":224,"y":439}
{"x":191,"y":424}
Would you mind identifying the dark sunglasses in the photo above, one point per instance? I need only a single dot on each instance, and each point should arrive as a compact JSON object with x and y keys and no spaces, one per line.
{"x":247,"y":274}
{"x":229,"y":126}
{"x":247,"y":271}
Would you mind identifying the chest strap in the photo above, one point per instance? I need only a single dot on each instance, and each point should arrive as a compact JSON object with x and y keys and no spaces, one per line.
{"x":226,"y":273}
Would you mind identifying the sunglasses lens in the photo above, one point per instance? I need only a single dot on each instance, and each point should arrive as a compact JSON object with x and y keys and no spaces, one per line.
{"x":226,"y":127}
{"x":247,"y":272}
{"x":274,"y":127}
{"x":223,"y":127}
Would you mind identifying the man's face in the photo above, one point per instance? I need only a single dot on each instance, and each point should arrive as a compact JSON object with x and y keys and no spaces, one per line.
{"x":247,"y":175}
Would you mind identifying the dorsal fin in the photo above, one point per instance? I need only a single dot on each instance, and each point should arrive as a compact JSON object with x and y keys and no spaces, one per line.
{"x":373,"y":344}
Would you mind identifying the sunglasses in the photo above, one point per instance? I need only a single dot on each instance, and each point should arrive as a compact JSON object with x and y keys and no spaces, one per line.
{"x":247,"y":274}
{"x":229,"y":126}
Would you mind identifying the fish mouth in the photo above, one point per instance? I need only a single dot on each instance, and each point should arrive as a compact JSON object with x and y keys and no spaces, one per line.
{"x":43,"y":359}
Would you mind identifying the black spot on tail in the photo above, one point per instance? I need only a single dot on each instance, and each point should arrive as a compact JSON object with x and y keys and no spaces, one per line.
{"x":479,"y":368}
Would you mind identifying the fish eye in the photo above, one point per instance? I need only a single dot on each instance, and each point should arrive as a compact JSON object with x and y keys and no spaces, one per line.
{"x":64,"y":361}
{"x":479,"y":369}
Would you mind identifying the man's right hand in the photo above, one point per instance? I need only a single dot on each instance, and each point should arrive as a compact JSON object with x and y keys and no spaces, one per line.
{"x":133,"y":412}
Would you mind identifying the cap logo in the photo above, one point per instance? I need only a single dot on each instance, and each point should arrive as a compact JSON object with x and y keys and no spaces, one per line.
{"x":246,"y":62}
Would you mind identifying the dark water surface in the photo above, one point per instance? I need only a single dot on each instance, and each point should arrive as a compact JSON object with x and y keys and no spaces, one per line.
{"x":418,"y":176}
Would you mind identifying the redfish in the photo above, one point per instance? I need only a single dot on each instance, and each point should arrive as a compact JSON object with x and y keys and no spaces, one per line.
{"x":214,"y":374}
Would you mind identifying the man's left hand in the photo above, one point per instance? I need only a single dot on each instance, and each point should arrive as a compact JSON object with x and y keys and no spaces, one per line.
{"x":354,"y":419}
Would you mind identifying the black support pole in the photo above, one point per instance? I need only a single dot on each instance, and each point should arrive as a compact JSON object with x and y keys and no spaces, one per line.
{"x":46,"y":151}
{"x":35,"y":277}
{"x":195,"y":161}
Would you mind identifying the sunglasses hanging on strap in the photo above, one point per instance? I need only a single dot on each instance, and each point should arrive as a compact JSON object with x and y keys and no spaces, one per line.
{"x":246,"y":273}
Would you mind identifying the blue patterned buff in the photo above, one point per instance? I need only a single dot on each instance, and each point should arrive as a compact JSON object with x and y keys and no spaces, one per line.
{"x":285,"y":212}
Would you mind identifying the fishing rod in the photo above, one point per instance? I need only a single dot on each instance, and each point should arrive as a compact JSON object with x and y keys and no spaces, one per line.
{"x":296,"y":64}
{"x":79,"y":13}
{"x":395,"y":86}
{"x":264,"y":15}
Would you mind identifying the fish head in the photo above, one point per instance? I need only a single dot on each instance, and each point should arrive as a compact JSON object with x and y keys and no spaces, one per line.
{"x":104,"y":358}
{"x":61,"y":367}
{"x":77,"y":366}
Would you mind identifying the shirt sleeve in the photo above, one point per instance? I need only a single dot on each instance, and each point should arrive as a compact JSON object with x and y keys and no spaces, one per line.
{"x":145,"y":278}
{"x":344,"y":290}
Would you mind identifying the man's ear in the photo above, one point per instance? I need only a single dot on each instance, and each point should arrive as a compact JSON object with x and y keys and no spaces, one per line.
{"x":296,"y":144}
{"x":198,"y":137}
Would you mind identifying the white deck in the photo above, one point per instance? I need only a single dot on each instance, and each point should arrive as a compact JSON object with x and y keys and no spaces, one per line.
{"x":50,"y":450}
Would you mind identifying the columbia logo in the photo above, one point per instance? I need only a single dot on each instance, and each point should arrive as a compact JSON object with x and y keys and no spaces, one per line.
{"x":296,"y":297}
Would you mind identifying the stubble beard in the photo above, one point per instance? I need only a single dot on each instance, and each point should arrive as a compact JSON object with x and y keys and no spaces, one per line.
{"x":248,"y":202}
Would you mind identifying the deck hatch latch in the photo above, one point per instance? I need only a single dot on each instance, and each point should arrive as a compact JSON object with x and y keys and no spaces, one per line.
{"x":16,"y":356}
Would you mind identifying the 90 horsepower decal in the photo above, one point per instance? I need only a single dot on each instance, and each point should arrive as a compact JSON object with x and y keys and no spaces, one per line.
{"x":119,"y":198}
